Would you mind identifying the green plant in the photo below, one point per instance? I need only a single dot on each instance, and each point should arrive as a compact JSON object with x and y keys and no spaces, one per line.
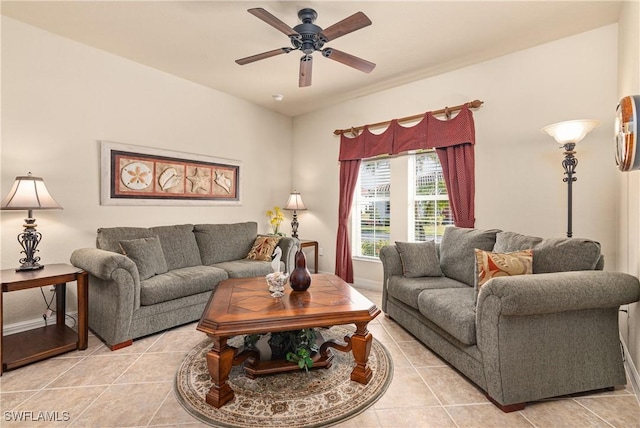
{"x":296,"y":346}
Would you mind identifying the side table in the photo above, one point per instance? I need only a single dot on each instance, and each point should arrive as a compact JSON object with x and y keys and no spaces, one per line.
{"x":313,"y":244}
{"x":34,"y":345}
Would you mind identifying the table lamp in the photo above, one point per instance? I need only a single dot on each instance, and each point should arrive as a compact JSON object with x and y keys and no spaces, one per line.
{"x":29,"y":193}
{"x":294,"y":203}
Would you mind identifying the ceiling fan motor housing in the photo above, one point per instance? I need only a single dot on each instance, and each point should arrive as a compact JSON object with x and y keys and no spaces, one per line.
{"x":308,"y":41}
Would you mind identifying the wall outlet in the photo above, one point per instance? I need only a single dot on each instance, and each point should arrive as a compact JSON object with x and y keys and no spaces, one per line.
{"x":320,"y":251}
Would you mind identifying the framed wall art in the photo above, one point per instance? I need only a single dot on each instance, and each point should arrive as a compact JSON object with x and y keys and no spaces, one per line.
{"x":135,"y":175}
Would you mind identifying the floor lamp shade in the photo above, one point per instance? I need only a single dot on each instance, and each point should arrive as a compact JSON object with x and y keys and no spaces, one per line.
{"x":294,"y":203}
{"x":29,"y":193}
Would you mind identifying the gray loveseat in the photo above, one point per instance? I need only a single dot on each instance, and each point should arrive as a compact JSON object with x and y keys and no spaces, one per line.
{"x":168,"y":276}
{"x":523,"y":338}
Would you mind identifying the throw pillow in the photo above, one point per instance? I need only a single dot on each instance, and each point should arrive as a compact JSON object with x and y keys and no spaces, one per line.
{"x":263,"y":247}
{"x":490,"y":265}
{"x":147,"y":254}
{"x":419,"y":259}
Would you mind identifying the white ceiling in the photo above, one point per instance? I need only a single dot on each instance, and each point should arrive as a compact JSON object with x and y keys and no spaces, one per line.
{"x":199,"y":40}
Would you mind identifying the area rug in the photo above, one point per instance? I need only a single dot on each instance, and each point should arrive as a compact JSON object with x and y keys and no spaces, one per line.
{"x":320,"y":397}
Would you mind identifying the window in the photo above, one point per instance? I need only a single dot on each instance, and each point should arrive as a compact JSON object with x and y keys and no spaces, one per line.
{"x":372,"y":208}
{"x":430,"y":212}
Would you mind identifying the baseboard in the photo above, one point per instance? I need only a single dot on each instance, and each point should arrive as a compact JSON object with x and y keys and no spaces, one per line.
{"x":632,"y":371}
{"x":21,"y":326}
{"x":368,"y":284}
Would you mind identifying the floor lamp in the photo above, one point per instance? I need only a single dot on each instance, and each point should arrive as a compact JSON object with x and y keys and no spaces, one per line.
{"x":568,"y":134}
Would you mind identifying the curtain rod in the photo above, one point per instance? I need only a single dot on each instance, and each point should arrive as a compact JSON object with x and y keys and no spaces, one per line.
{"x":447,"y":111}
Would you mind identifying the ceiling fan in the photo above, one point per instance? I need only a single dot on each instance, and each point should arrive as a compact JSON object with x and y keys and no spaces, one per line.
{"x":308,"y":38}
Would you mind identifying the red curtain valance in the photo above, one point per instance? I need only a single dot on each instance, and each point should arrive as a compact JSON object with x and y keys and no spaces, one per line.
{"x":429,"y":133}
{"x":453,"y":140}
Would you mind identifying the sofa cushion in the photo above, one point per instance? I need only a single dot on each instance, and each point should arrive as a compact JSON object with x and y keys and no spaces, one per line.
{"x":407,"y":290}
{"x":179,"y":245}
{"x":457,"y":256}
{"x":147,"y":254}
{"x":553,"y":254}
{"x":263,"y":247}
{"x":419,"y":259}
{"x":224,"y":242}
{"x":109,"y":238}
{"x":179,"y":283}
{"x":246,"y":268}
{"x":451,"y":309}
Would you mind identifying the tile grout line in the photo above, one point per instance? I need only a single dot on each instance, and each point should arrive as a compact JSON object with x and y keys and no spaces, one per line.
{"x":113,"y":382}
{"x":592,"y":412}
{"x":420,"y":376}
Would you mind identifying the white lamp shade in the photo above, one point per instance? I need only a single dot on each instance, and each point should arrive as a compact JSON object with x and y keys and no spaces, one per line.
{"x":571,"y":131}
{"x":29,"y":193}
{"x":295,"y":202}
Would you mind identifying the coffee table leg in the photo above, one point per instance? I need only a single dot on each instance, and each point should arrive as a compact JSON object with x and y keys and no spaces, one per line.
{"x":219,"y":362}
{"x":361,"y":342}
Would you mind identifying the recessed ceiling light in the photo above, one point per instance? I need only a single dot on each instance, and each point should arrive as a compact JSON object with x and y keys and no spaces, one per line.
{"x":278,"y":97}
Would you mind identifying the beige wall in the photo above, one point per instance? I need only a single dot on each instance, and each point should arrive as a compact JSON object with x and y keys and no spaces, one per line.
{"x":518,"y":169}
{"x":629,"y":182}
{"x":60,"y":97}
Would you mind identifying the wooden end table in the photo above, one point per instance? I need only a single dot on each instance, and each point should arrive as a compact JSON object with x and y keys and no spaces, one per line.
{"x":313,"y":244}
{"x":244,"y":306}
{"x":29,"y":346}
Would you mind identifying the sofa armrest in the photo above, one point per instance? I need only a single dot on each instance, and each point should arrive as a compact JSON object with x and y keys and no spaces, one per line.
{"x":102,"y":264}
{"x":560,"y":291}
{"x":114,"y":290}
{"x":546,"y":335}
{"x":391,"y":266}
{"x":289,"y":247}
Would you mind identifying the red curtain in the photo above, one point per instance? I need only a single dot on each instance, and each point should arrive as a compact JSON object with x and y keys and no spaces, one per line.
{"x":348,"y":178}
{"x":454,"y":141}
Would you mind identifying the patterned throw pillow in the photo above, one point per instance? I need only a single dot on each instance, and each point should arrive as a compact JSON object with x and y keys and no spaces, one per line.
{"x":490,"y":265}
{"x":263,"y":248}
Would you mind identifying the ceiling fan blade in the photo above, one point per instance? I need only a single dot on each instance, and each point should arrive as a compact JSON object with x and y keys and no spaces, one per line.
{"x":348,"y":25}
{"x":263,"y":55}
{"x":348,"y":59}
{"x":306,"y":63}
{"x":273,"y":21}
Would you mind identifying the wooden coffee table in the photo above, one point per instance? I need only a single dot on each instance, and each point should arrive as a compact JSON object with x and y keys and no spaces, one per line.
{"x":244,"y":306}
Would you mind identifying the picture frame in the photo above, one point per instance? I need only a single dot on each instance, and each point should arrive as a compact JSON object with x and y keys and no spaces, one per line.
{"x":137,"y":175}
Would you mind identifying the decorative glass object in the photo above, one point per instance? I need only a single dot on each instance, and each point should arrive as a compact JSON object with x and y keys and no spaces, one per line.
{"x":276,"y":283}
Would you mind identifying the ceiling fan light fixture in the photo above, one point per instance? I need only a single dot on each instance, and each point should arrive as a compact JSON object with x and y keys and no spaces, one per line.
{"x":307,"y":37}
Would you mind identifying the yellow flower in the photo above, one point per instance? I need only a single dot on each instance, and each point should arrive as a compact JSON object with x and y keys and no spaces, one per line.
{"x":276,"y":216}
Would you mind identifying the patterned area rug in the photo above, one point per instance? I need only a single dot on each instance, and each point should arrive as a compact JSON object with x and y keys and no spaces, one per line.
{"x":321,"y":397}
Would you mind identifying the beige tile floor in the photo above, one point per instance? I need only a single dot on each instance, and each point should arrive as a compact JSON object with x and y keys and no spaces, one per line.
{"x":134,"y":387}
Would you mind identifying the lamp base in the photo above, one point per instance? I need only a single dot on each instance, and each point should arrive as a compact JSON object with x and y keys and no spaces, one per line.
{"x":29,"y":266}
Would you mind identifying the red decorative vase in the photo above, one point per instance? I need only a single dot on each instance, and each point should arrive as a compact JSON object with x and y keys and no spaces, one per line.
{"x":300,"y":278}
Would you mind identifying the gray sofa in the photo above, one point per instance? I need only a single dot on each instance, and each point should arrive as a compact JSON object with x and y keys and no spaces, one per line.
{"x":168,"y":275}
{"x":523,"y":338}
